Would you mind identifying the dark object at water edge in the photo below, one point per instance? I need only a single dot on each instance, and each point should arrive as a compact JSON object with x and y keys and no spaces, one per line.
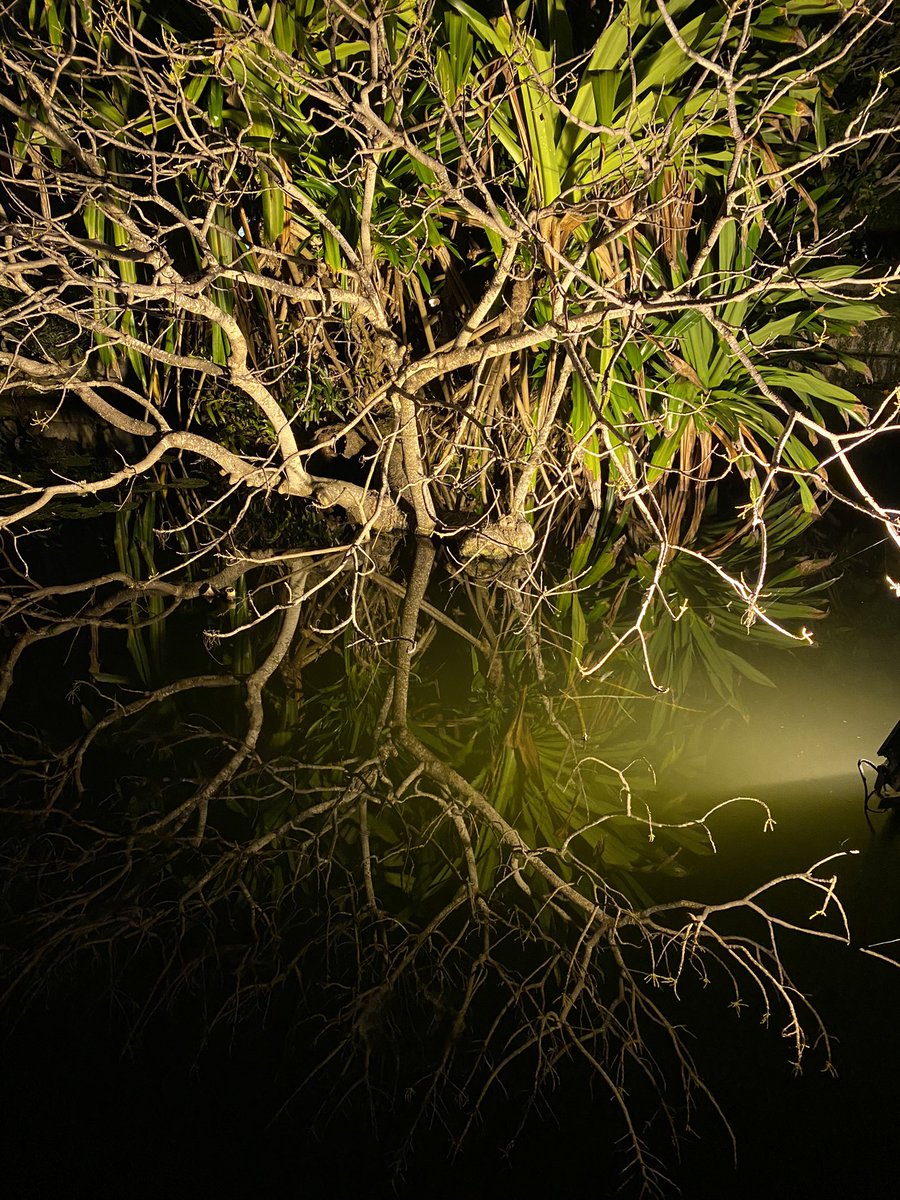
{"x":887,"y":774}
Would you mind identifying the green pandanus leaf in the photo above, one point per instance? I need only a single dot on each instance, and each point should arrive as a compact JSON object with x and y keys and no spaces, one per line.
{"x":228,"y":13}
{"x":95,"y":226}
{"x":579,"y":632}
{"x":45,"y":13}
{"x":284,"y":27}
{"x":274,"y":210}
{"x":541,"y":119}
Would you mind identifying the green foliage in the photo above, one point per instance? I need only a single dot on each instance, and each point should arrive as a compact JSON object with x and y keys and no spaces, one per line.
{"x":135,"y":543}
{"x":236,"y":422}
{"x":620,"y":157}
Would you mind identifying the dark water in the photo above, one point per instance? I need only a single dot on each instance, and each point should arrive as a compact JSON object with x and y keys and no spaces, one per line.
{"x":813,"y":1134}
{"x":172,"y":1116}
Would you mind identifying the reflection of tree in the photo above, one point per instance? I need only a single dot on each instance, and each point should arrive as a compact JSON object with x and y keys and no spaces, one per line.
{"x":451,"y":881}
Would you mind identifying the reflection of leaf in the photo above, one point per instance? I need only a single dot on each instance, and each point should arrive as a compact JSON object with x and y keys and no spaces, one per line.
{"x":178,"y":485}
{"x":579,"y":639}
{"x":504,"y":779}
{"x":519,"y":738}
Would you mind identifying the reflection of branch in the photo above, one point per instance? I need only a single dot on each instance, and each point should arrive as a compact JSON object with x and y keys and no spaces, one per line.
{"x":124,"y":712}
{"x":456,"y":783}
{"x":253,"y":686}
{"x":406,"y":633}
{"x":435,"y":613}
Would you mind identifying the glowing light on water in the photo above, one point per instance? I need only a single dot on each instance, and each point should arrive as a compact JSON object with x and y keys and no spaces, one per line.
{"x":829,"y":708}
